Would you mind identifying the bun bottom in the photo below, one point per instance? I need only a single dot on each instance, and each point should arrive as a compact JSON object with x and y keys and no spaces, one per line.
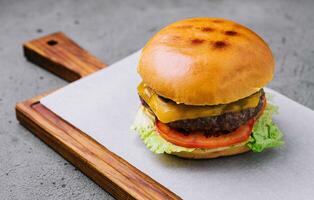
{"x":203,"y":154}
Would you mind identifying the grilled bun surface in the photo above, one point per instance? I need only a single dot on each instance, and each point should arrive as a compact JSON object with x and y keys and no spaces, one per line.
{"x":206,"y":61}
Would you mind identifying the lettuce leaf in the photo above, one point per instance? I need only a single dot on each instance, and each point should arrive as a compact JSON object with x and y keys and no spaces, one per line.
{"x":265,"y":133}
{"x":144,"y":124}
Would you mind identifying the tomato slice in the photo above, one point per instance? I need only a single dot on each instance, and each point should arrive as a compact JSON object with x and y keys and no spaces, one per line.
{"x":199,"y":140}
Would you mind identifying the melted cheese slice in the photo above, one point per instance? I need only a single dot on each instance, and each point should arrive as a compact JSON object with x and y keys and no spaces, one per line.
{"x":168,"y":111}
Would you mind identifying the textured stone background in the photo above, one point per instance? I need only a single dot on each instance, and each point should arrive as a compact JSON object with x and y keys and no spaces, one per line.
{"x":111,"y":30}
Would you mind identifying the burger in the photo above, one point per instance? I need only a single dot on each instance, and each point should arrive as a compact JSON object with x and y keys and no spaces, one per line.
{"x":202,"y":90}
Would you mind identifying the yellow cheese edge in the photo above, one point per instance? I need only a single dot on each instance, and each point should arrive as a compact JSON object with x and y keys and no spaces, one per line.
{"x":170,"y":111}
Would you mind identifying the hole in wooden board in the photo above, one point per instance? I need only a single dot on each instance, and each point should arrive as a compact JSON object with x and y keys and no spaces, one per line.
{"x":52,"y":42}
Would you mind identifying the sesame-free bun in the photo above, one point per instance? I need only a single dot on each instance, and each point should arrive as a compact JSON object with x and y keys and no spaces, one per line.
{"x":206,"y":61}
{"x":203,"y":154}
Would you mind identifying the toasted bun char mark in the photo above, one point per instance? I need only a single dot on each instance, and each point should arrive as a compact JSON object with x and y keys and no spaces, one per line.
{"x":231,"y":33}
{"x":219,"y":44}
{"x":206,"y":61}
{"x":207,"y":29}
{"x":197,"y":41}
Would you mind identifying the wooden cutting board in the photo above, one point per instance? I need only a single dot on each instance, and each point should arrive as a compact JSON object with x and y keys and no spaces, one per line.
{"x":62,"y":56}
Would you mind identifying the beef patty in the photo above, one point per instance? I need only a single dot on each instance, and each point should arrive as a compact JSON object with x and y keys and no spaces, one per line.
{"x":221,"y":124}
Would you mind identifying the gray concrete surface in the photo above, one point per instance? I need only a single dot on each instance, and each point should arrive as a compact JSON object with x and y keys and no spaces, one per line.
{"x":111,"y":30}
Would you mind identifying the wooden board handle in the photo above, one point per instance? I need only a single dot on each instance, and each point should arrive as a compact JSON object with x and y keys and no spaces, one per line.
{"x":62,"y":56}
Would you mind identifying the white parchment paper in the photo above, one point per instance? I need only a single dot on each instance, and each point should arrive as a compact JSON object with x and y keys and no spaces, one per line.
{"x":103,"y":105}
